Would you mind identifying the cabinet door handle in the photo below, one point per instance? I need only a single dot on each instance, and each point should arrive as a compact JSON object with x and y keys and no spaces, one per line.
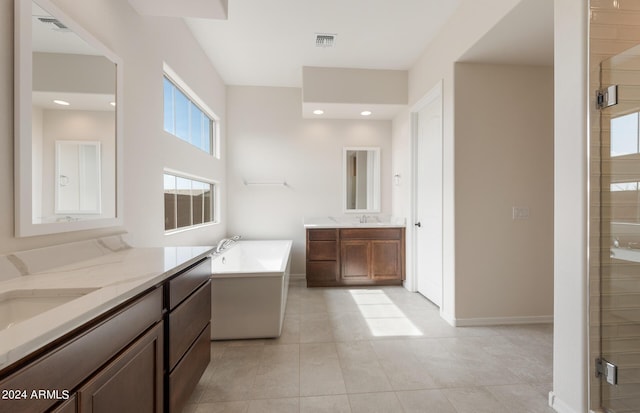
{"x":418,"y":224}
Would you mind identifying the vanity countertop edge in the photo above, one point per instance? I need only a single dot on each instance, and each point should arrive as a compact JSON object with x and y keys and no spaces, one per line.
{"x":116,"y":278}
{"x":341,"y":222}
{"x":347,"y":225}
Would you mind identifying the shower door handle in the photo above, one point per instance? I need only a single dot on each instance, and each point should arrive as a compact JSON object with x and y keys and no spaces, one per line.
{"x":418,"y":224}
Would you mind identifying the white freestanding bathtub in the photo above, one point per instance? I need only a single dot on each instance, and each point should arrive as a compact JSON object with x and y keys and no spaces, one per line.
{"x":249,"y":285}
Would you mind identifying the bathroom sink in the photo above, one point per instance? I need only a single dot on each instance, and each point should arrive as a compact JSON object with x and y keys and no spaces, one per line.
{"x":20,"y":305}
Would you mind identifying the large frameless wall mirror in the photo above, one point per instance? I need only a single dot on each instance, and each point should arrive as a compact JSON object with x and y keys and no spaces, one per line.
{"x":68,"y":151}
{"x":361,"y":180}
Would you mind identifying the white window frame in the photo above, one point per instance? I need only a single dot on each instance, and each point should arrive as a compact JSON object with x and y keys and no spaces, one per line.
{"x":173,"y":77}
{"x":215,"y":202}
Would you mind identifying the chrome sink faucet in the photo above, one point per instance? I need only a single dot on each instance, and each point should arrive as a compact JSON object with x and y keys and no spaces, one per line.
{"x":364,"y":219}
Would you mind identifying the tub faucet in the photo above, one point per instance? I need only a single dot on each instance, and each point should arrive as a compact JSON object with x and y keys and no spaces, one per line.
{"x":226,"y":242}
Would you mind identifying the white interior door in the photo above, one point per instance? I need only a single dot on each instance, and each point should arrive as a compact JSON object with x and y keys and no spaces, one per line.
{"x":429,"y":200}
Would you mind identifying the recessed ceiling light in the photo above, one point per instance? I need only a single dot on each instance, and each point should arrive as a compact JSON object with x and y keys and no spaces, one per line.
{"x":318,"y":112}
{"x":61,"y":102}
{"x":366,"y":113}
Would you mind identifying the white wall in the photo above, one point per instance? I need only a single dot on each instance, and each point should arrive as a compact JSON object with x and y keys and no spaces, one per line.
{"x":270,"y":142}
{"x":362,"y":86}
{"x":143,"y":44}
{"x":469,"y":23}
{"x":570,"y":355}
{"x":55,"y":72}
{"x":503,"y":158}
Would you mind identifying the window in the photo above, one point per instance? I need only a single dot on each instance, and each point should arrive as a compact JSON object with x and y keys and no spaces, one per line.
{"x":186,"y":120}
{"x":187,"y":202}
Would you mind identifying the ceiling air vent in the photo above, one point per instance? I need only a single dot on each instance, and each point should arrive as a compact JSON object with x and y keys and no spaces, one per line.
{"x":58,"y":25}
{"x":325,"y":39}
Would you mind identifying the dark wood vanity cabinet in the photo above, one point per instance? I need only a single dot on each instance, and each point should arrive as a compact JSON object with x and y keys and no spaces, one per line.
{"x":145,"y":355}
{"x":323,"y":251}
{"x":89,"y":362}
{"x":355,"y":256}
{"x":188,"y":323}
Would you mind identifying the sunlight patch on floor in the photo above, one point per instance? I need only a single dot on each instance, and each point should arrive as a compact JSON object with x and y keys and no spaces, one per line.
{"x":383,"y":317}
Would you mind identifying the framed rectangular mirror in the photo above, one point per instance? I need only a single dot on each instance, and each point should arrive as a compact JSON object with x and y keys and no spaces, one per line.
{"x":68,"y":88}
{"x":361,"y":179}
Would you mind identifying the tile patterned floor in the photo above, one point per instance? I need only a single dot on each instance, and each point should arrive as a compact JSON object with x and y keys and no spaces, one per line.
{"x":377,"y":350}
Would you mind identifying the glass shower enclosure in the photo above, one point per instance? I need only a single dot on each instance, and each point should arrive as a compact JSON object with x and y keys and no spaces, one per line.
{"x":615,"y":235}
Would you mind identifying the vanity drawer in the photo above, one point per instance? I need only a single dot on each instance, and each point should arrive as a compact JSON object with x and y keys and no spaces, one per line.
{"x":322,"y":234}
{"x":371,"y":233}
{"x":184,"y":378}
{"x":322,"y":250}
{"x":187,"y":321}
{"x":322,"y":271}
{"x":187,"y":282}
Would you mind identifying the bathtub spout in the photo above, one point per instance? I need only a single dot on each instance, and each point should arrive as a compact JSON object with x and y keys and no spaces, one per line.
{"x":226,"y":242}
{"x":220,"y":245}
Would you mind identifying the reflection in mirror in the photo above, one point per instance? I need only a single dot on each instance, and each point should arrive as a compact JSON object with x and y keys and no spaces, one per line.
{"x":624,"y":172}
{"x":624,"y":135}
{"x":66,"y":101}
{"x":78,"y":178}
{"x":361,"y":177}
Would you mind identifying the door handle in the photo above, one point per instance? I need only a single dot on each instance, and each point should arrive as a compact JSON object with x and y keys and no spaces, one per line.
{"x":418,"y":224}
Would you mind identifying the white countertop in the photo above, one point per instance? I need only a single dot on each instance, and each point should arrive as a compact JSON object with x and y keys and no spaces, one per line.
{"x":118,"y":273}
{"x":372,"y":221}
{"x":625,"y":254}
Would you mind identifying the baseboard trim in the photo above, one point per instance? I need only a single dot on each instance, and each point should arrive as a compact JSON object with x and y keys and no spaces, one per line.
{"x":558,"y":405}
{"x":448,"y":318}
{"x":496,"y":321}
{"x":297,"y":276}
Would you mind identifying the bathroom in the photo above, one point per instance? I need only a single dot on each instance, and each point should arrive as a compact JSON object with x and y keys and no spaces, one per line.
{"x":263,"y":137}
{"x":123,"y":204}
